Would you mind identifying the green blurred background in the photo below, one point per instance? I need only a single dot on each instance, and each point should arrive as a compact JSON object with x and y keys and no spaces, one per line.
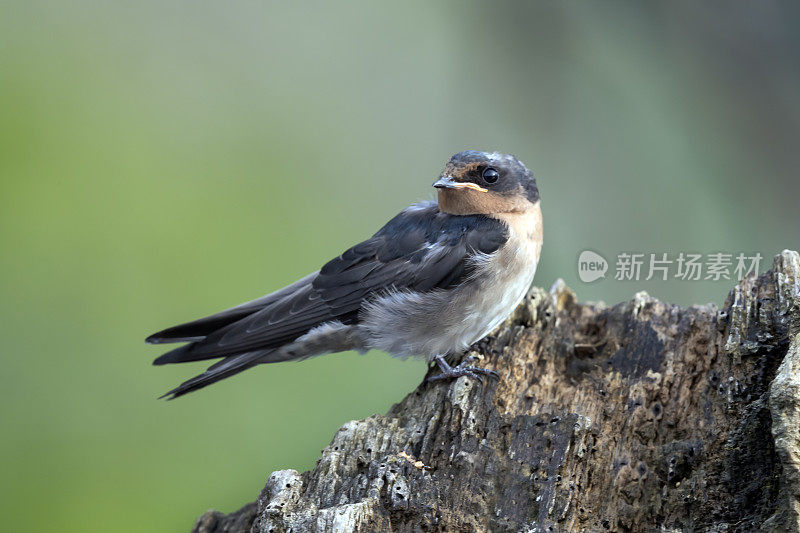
{"x":162,"y":160}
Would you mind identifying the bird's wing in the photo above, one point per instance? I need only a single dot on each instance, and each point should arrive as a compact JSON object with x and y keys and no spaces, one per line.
{"x":421,"y":249}
{"x":201,"y":328}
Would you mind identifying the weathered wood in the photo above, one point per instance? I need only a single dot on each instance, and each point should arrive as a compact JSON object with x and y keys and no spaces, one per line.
{"x":639,"y":417}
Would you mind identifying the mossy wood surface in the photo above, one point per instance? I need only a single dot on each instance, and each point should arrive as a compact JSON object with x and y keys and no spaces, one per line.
{"x":643,"y":416}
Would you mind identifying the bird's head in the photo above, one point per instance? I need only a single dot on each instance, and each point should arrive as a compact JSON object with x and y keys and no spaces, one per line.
{"x":485,"y":183}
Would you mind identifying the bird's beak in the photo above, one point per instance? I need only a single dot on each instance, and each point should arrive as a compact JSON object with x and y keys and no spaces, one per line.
{"x":446,"y":182}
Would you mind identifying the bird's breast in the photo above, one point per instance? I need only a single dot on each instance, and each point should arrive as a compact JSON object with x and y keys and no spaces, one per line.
{"x":508,"y":274}
{"x":442,"y":322}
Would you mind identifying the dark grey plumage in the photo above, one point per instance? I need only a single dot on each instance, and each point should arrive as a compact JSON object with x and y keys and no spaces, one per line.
{"x":399,"y":256}
{"x":410,"y":271}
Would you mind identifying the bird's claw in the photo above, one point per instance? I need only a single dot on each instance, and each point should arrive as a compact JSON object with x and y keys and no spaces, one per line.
{"x":463,"y":369}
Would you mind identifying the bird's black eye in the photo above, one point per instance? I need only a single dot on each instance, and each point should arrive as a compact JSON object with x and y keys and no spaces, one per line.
{"x":490,"y":175}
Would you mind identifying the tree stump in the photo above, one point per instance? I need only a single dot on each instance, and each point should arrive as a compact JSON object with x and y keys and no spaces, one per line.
{"x":643,"y":416}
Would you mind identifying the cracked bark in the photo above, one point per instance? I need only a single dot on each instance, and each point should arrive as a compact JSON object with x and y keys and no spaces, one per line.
{"x":643,"y":416}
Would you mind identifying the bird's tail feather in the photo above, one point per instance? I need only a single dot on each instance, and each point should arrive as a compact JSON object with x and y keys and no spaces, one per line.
{"x":226,"y":368}
{"x":183,"y":355}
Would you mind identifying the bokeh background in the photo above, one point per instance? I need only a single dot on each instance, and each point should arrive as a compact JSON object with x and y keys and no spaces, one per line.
{"x":162,"y":160}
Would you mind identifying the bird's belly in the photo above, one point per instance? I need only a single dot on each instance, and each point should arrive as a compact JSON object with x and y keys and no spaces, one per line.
{"x":449,"y":321}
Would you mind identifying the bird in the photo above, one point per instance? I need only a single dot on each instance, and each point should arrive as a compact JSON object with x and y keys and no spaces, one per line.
{"x":438,"y":277}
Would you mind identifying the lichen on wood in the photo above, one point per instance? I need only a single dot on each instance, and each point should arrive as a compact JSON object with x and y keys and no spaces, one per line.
{"x":643,"y":416}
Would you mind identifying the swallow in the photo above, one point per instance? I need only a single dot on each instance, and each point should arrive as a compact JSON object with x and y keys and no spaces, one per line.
{"x":434,"y":280}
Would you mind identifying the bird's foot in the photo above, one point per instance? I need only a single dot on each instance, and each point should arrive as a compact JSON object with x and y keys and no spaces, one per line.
{"x":463,"y":369}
